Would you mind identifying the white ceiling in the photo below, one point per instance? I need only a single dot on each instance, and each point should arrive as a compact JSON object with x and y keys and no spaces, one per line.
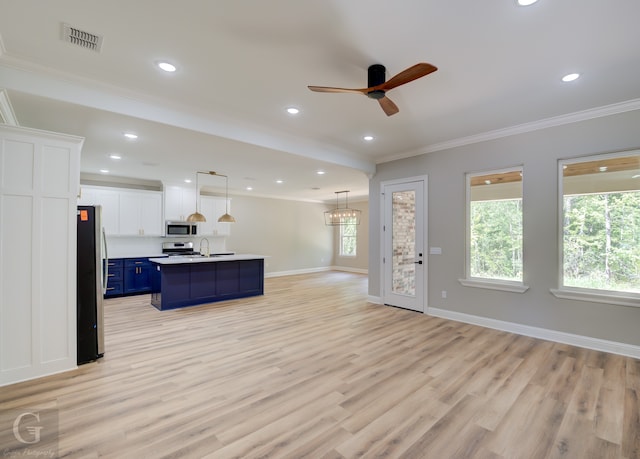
{"x":242,"y":63}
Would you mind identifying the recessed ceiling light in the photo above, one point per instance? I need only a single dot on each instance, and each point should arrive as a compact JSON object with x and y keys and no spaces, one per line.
{"x":368,"y":138}
{"x":570,"y":77}
{"x":249,"y":188}
{"x":130,"y":135}
{"x":167,"y":67}
{"x":187,"y":180}
{"x":279,"y":181}
{"x":104,"y":171}
{"x":320,"y":172}
{"x":487,"y":182}
{"x":115,"y":156}
{"x":293,"y":111}
{"x":602,"y":168}
{"x":526,"y":2}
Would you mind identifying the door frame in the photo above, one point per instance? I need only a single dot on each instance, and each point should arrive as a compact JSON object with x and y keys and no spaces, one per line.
{"x":425,"y":264}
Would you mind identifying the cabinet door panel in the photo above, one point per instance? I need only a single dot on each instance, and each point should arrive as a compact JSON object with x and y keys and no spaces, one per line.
{"x":227,"y":278}
{"x":203,"y":281}
{"x":129,"y":214}
{"x":151,"y":214}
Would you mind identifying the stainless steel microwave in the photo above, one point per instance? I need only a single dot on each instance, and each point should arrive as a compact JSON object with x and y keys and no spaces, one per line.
{"x":180,"y":229}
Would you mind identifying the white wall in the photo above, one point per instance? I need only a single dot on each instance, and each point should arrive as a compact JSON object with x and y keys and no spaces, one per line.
{"x":291,"y":233}
{"x":538,"y":152}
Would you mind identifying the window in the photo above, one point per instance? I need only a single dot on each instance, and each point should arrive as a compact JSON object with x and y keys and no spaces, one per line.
{"x":600,"y":224}
{"x":348,"y":237}
{"x":494,"y":230}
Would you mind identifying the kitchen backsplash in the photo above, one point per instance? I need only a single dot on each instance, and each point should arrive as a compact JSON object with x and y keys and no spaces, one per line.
{"x":131,"y":247}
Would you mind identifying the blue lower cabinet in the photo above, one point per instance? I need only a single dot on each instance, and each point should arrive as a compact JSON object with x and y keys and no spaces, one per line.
{"x":137,"y":275}
{"x":115,"y":285}
{"x":131,"y":276}
{"x":188,"y":284}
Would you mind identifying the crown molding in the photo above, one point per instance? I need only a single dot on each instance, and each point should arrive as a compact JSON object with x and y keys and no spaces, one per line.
{"x":584,"y":115}
{"x":7,"y":115}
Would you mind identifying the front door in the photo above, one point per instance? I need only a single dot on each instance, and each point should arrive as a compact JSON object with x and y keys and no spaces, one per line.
{"x":404,"y":263}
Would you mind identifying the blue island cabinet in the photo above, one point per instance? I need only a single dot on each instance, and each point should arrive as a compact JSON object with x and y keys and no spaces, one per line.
{"x":188,"y":284}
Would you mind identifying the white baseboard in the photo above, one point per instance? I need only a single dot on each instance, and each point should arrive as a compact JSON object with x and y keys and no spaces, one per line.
{"x":316,"y":270}
{"x":298,"y":271}
{"x":614,"y":347}
{"x":350,"y":270}
{"x":597,"y":344}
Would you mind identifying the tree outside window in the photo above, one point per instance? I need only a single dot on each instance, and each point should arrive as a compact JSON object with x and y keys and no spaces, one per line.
{"x":494,"y":243}
{"x":601,"y":223}
{"x":348,"y":237}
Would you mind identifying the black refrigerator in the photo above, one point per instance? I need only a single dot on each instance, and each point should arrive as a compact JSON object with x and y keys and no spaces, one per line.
{"x":91,"y":282}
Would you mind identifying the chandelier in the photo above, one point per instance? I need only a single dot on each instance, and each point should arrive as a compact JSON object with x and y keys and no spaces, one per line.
{"x":342,"y":215}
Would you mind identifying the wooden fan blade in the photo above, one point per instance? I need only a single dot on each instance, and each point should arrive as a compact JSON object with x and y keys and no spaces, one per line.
{"x":388,"y":106}
{"x":410,"y":74}
{"x":337,"y":90}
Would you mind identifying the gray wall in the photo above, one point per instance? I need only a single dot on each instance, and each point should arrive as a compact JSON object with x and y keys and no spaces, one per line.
{"x":538,"y":152}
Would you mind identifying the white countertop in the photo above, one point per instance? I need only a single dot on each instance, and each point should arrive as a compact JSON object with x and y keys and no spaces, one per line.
{"x":186,"y":259}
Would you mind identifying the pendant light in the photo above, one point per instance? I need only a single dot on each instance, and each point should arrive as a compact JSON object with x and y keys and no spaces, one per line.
{"x":198,"y":217}
{"x":342,"y":215}
{"x":226,"y":218}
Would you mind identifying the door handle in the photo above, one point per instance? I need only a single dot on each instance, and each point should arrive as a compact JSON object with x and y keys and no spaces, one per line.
{"x":417,"y":262}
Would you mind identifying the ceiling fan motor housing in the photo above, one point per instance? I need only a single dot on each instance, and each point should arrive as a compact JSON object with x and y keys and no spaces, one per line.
{"x":376,"y":76}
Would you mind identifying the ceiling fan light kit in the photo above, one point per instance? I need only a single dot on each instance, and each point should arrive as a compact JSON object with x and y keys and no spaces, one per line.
{"x":378,"y":87}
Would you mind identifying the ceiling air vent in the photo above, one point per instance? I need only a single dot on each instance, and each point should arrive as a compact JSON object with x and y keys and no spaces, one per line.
{"x":81,"y":38}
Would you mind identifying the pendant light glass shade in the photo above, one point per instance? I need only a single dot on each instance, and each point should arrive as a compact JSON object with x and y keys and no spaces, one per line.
{"x":342,"y":215}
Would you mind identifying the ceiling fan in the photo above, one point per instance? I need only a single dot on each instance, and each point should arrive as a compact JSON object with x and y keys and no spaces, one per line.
{"x":378,"y":86}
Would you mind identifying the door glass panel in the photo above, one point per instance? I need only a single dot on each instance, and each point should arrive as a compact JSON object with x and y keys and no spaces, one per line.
{"x":404,"y":243}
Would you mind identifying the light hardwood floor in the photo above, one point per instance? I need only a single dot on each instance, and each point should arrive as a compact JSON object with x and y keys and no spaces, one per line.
{"x":311,"y":370}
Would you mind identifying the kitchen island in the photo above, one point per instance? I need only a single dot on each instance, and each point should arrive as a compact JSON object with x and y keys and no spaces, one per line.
{"x":187,"y":281}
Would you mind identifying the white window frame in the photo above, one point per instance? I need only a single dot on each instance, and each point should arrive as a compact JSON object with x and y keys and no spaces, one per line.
{"x":478,"y":282}
{"x":341,"y":236}
{"x":581,"y":293}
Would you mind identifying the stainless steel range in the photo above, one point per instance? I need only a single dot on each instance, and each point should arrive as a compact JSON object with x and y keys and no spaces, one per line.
{"x":179,"y":249}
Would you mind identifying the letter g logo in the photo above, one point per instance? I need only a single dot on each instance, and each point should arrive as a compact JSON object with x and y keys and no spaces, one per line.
{"x":34,"y":431}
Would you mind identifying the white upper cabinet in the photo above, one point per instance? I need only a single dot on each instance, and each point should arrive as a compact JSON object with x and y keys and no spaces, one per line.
{"x":179,"y":203}
{"x":126,"y":212}
{"x":140,"y":213}
{"x":109,"y":199}
{"x":213,"y":207}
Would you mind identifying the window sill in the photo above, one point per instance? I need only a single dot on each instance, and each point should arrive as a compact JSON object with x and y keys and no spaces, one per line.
{"x":596,"y":297}
{"x":505,"y":286}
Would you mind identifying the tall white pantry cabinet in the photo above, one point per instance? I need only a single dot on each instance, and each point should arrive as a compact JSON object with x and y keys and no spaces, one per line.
{"x":39,"y":182}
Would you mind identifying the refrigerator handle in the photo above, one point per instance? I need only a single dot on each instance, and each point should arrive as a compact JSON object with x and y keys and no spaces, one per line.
{"x":105,"y":274}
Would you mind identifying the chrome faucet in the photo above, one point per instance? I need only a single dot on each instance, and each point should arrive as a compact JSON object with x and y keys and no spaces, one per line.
{"x":207,"y":253}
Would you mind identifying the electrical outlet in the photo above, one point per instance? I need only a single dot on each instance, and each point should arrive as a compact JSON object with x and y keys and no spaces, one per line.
{"x":444,"y":294}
